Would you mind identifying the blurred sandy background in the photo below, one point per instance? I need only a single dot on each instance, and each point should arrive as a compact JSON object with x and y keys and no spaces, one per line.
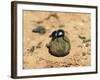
{"x":78,"y":29}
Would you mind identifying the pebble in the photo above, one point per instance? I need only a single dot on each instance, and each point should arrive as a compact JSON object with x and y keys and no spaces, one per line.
{"x":39,"y":29}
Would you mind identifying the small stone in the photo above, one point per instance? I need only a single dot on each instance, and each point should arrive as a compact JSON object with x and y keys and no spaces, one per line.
{"x":39,"y":29}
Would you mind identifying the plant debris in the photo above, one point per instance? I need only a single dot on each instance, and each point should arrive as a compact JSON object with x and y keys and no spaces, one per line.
{"x":86,"y":40}
{"x":87,"y":45}
{"x":31,"y":49}
{"x":82,"y":37}
{"x":39,"y":45}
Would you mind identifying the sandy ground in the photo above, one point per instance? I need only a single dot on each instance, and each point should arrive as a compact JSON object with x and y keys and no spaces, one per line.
{"x":78,"y":29}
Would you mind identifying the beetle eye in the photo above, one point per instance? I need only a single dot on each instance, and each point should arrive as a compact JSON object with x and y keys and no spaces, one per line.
{"x":60,"y":33}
